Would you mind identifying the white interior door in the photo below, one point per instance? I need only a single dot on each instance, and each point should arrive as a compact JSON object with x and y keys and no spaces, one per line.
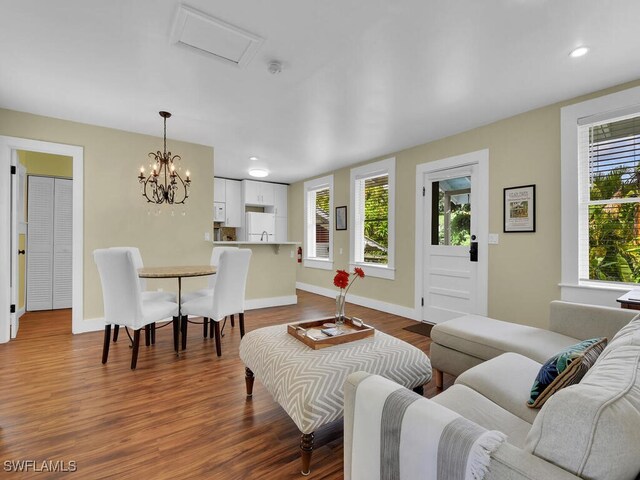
{"x":454,"y":276}
{"x":62,"y":243}
{"x":40,"y":244}
{"x":18,"y":227}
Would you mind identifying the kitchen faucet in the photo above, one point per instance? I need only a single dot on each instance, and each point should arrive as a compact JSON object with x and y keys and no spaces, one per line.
{"x":264,"y":232}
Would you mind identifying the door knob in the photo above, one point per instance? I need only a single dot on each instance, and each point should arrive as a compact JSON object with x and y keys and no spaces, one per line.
{"x":21,"y":252}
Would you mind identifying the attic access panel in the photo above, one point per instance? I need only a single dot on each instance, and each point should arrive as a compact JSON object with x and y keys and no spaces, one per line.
{"x":213,"y":37}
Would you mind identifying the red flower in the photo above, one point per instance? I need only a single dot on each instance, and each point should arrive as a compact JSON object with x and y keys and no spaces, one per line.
{"x":341,"y":280}
{"x":359,"y":272}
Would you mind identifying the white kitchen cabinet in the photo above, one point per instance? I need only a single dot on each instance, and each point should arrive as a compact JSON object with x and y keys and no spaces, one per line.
{"x":219,"y":190}
{"x":235,"y":207}
{"x":219,"y":212}
{"x":280,"y":200}
{"x":227,"y":202}
{"x":258,"y":193}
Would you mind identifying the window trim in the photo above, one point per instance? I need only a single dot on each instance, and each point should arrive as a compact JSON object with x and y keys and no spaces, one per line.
{"x":310,"y":186}
{"x":571,"y":117}
{"x":382,"y":167}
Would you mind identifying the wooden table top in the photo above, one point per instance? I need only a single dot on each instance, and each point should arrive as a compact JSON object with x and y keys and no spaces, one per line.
{"x":176,"y":272}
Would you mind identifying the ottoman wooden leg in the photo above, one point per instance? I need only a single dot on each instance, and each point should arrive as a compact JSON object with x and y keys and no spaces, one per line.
{"x":439,"y":377}
{"x":306,"y":447}
{"x":248,"y":380}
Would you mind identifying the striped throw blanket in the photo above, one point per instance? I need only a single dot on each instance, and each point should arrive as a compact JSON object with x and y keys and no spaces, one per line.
{"x":399,"y":435}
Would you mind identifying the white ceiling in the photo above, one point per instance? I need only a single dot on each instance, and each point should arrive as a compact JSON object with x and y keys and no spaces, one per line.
{"x":360,"y":78}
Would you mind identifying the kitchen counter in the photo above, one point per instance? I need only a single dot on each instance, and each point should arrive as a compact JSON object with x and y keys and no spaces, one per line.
{"x":276,"y":245}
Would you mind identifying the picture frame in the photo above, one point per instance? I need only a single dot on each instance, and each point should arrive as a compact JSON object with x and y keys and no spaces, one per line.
{"x":341,"y":218}
{"x":519,"y":209}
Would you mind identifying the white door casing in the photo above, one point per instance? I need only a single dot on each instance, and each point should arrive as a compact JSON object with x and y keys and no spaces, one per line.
{"x":8,"y":145}
{"x":446,"y":280}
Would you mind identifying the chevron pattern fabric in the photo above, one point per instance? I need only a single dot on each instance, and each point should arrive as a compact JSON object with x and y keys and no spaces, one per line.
{"x":308,"y":383}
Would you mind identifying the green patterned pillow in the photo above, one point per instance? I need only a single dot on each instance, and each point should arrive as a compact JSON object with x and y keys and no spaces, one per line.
{"x":564,"y":369}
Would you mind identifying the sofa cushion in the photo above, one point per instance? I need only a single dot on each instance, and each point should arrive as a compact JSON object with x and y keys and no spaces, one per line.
{"x":487,"y":338}
{"x":506,"y":381}
{"x":592,"y":429}
{"x":565,"y":368}
{"x":479,"y":409}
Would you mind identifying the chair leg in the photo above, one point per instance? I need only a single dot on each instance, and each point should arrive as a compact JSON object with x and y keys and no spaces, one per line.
{"x":217,"y":336}
{"x":147,"y":335}
{"x":439,"y":378}
{"x":176,"y":335}
{"x":241,"y":315}
{"x":233,"y":322}
{"x":205,"y":327}
{"x":184,"y":331}
{"x":153,"y":333}
{"x":211,"y":327}
{"x":107,"y":340}
{"x":136,"y":346}
{"x":116,"y":329}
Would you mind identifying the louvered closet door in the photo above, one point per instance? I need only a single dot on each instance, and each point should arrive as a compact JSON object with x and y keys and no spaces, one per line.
{"x":62,"y":243}
{"x":40,"y":244}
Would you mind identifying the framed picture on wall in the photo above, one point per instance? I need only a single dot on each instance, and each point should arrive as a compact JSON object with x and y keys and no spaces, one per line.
{"x":519,"y":212}
{"x":341,"y":218}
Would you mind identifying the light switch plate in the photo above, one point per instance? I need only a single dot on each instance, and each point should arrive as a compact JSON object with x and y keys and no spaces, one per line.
{"x":207,"y":236}
{"x":494,"y":239}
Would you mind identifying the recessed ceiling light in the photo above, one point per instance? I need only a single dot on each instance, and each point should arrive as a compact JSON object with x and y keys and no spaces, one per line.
{"x":258,"y":172}
{"x":579,"y":52}
{"x":253,"y":158}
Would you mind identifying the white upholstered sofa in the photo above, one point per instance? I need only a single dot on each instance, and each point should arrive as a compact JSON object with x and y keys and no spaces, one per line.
{"x":590,"y":430}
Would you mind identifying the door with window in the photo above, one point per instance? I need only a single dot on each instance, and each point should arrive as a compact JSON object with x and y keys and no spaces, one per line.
{"x":454,"y":276}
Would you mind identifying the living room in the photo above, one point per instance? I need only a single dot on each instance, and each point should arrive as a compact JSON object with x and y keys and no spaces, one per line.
{"x":357,"y":85}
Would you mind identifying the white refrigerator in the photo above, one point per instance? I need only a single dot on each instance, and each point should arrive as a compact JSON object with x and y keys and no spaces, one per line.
{"x":261,"y":227}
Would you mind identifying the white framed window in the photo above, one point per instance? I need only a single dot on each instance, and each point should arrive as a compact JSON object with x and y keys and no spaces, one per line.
{"x":318,"y":220}
{"x":601,"y":197}
{"x":609,"y":200}
{"x":372,"y":236}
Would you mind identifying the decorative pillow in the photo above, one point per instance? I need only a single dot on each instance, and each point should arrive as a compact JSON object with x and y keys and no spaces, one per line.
{"x":564,"y":369}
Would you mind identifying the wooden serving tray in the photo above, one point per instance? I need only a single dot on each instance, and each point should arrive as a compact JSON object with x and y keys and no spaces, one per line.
{"x":308,"y":332}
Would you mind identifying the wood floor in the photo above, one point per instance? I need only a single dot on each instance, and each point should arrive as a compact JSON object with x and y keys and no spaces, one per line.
{"x":173,"y":417}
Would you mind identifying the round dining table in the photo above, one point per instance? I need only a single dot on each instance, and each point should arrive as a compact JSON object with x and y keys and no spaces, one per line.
{"x":178,"y":272}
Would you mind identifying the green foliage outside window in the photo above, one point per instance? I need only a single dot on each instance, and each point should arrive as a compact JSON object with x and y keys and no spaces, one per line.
{"x":614,"y":228}
{"x":376,"y":219}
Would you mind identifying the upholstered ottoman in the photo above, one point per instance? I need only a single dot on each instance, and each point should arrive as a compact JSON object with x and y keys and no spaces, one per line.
{"x":308,"y":383}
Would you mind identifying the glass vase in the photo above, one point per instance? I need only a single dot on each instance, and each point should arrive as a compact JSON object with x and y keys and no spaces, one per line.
{"x":339,"y":315}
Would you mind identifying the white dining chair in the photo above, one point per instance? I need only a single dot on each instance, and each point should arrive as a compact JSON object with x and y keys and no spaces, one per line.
{"x":203,"y":292}
{"x":227,"y":297}
{"x":123,"y":300}
{"x":150,"y":332}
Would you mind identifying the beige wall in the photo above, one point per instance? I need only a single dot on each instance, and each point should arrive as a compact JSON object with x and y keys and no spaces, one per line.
{"x":38,"y":163}
{"x":114,"y":211}
{"x":271,"y":274}
{"x":524,"y":269}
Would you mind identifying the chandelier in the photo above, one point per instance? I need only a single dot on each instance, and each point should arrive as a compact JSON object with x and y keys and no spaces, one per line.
{"x":164,"y":184}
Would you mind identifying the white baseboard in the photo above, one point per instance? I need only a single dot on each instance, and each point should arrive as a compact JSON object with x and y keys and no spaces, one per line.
{"x":21,"y":312}
{"x":391,"y":308}
{"x":97,"y":324}
{"x":256,"y":303}
{"x":89,"y":325}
